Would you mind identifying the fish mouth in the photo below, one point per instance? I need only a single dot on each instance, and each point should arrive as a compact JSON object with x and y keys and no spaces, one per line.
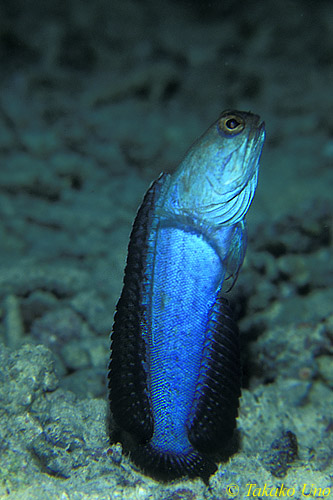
{"x":257,"y":132}
{"x":260,"y":132}
{"x":253,"y":150}
{"x":255,"y":143}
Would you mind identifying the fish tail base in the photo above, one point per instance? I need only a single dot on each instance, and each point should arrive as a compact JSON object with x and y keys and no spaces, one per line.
{"x":167,"y":466}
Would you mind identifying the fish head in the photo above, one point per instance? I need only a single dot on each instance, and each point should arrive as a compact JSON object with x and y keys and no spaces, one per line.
{"x":238,"y":140}
{"x":218,"y":176}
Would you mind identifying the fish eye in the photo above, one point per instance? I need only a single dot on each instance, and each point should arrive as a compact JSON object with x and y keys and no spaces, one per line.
{"x":231,"y":124}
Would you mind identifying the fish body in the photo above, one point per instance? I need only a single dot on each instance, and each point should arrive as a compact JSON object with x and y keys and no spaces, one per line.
{"x":175,"y":372}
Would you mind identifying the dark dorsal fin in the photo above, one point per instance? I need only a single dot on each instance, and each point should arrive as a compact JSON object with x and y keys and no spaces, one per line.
{"x":129,"y":399}
{"x":213,"y":414}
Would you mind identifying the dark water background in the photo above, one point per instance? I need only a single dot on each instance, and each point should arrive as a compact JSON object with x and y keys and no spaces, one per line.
{"x":96,"y":99}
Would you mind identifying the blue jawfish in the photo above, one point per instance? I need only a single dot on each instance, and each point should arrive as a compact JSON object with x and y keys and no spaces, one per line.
{"x":174,"y":374}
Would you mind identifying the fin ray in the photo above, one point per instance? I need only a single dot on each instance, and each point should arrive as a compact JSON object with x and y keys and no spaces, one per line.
{"x":212,"y":418}
{"x":128,"y":394}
